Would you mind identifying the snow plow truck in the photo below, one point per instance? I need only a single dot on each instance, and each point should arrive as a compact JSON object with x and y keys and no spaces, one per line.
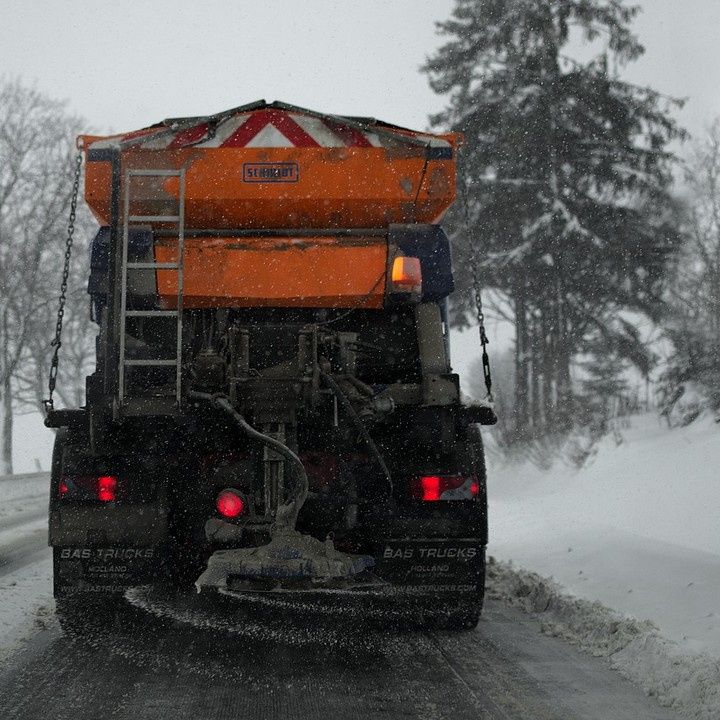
{"x":272,"y":407}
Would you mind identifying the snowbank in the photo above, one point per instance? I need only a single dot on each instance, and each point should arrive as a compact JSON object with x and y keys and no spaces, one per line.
{"x":689,"y":684}
{"x":636,"y":530}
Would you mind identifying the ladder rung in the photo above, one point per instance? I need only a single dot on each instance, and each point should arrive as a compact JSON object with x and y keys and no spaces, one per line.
{"x":154,"y":218}
{"x":151,"y":313}
{"x":150,"y":363}
{"x":156,"y":173}
{"x":152,"y":266}
{"x":178,"y":219}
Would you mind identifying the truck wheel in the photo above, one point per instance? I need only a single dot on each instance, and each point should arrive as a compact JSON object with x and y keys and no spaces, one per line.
{"x":458,"y":615}
{"x":465,"y":616}
{"x":88,"y":614}
{"x":57,"y":457}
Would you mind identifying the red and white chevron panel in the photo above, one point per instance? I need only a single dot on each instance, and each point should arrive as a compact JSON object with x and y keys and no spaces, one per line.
{"x":263,"y":128}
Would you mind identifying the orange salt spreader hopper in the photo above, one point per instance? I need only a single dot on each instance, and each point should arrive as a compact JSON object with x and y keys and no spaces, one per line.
{"x":283,"y":206}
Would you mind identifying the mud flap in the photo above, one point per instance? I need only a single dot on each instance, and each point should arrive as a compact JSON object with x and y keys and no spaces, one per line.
{"x":102,"y":569}
{"x":432,"y":567}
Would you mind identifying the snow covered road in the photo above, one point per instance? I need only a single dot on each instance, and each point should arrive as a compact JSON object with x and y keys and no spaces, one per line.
{"x":150,"y":667}
{"x":175,"y":657}
{"x":25,"y":561}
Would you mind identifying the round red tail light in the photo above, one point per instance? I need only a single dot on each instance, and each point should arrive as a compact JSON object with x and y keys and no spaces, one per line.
{"x":106,"y":488}
{"x":230,"y":503}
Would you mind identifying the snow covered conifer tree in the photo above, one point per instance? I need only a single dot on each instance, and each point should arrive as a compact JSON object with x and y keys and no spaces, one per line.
{"x":565,"y":176}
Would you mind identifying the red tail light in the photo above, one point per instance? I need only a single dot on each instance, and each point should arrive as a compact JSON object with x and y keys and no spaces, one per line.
{"x":432,"y":488}
{"x":88,"y":488}
{"x":230,"y":503}
{"x":106,"y":488}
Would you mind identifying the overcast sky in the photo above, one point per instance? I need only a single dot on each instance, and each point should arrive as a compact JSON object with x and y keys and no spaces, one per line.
{"x":124,"y":65}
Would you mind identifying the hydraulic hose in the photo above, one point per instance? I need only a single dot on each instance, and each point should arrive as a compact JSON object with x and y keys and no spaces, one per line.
{"x":360,"y":426}
{"x":287,"y":514}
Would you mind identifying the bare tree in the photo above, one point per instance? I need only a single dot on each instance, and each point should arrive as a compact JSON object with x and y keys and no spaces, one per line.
{"x":36,"y":165}
{"x":694,"y":297}
{"x":78,"y":346}
{"x":701,"y":269}
{"x":77,"y":353}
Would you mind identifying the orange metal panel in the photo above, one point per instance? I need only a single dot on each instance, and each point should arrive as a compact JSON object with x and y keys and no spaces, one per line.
{"x":277,"y":272}
{"x":98,"y":181}
{"x":315,"y":187}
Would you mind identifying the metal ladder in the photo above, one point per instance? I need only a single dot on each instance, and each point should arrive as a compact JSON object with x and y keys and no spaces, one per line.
{"x":178,"y":266}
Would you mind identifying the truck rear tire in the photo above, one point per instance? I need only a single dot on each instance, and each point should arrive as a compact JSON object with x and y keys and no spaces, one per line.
{"x":456,"y":616}
{"x":57,"y":457}
{"x":465,"y":615}
{"x":461,"y":614}
{"x":88,"y":614}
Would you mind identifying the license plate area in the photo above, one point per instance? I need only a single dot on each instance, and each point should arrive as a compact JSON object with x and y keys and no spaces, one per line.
{"x":103,"y":569}
{"x":431,"y":565}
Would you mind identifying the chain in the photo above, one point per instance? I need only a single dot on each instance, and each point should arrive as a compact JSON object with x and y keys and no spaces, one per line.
{"x":478,"y":296}
{"x":481,"y":328}
{"x":57,"y":340}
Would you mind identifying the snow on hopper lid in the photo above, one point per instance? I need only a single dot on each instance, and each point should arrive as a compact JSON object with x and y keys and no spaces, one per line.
{"x":271,"y":125}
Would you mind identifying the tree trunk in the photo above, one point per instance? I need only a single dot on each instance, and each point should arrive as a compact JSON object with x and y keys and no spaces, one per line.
{"x":548,"y":350}
{"x":6,"y":430}
{"x":521,"y":366}
{"x":6,"y":417}
{"x":563,"y":354}
{"x":564,"y":413}
{"x":536,"y":376}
